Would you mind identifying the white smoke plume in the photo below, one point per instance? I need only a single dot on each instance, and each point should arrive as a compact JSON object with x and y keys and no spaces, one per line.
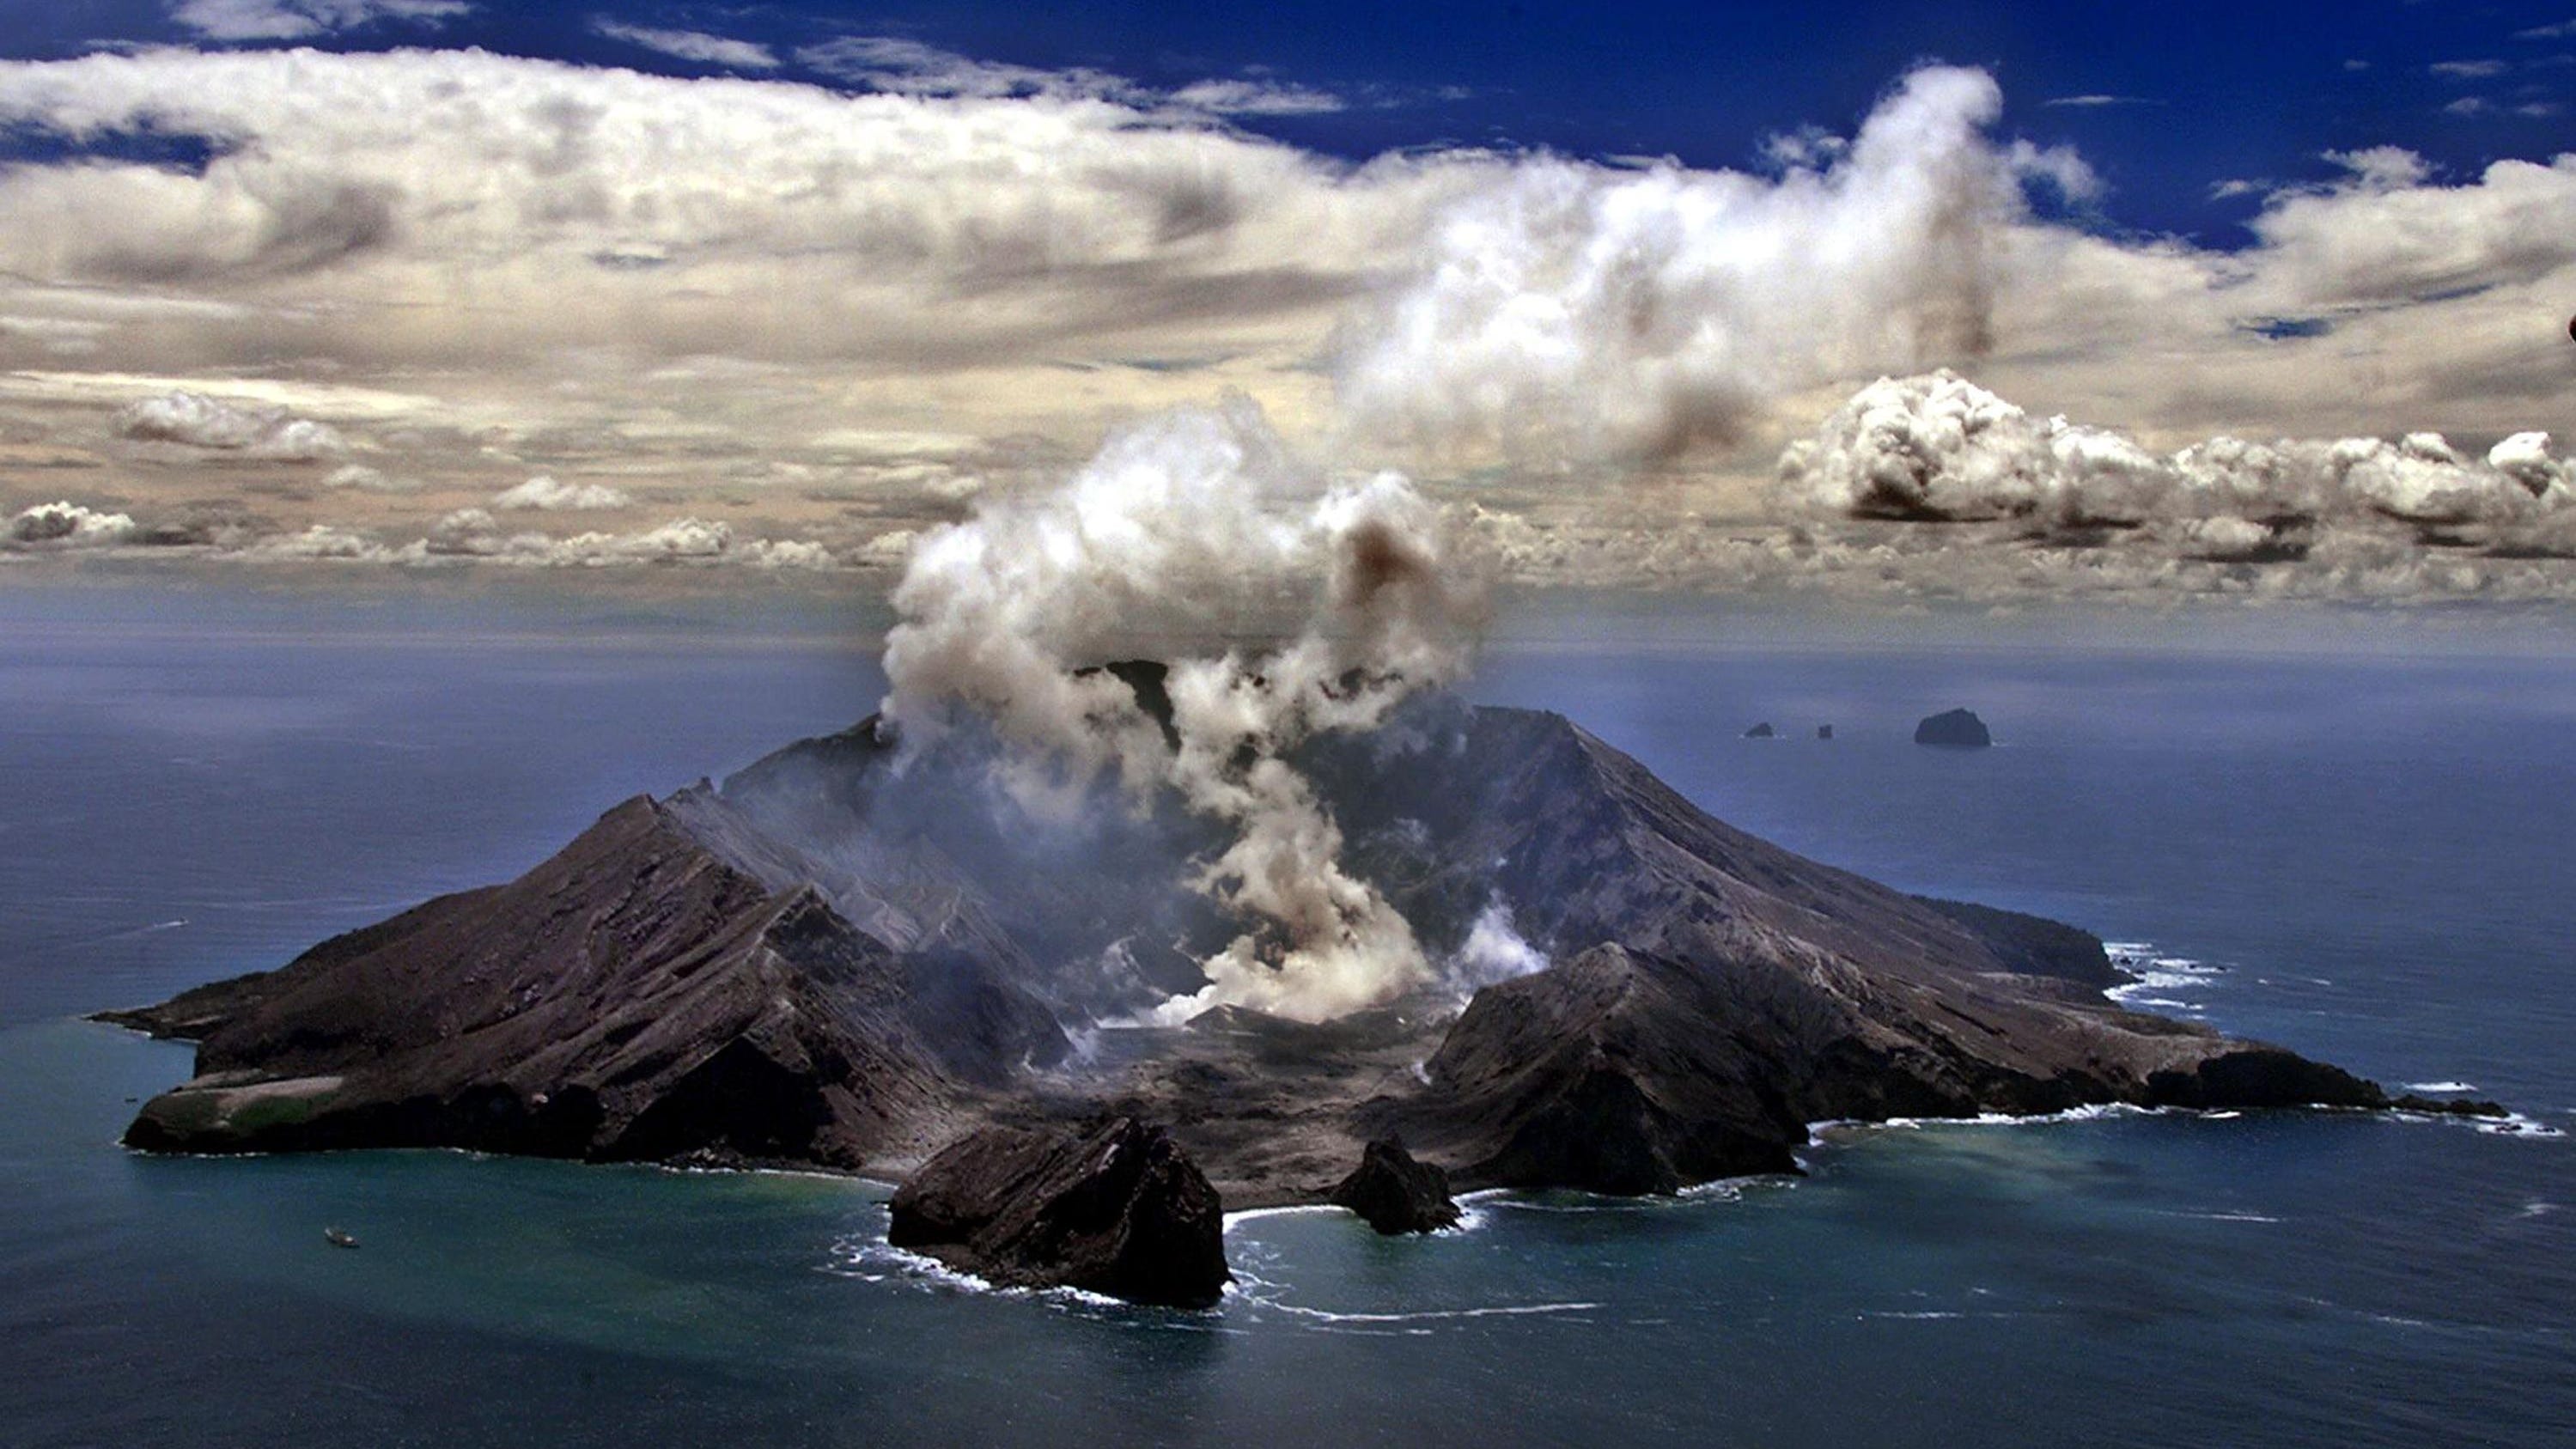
{"x":1494,"y":950}
{"x":1938,"y":448}
{"x":1195,"y":528}
{"x":1573,"y":310}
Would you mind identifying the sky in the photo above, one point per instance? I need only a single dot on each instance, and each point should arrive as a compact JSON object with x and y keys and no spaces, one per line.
{"x":1979,"y":302}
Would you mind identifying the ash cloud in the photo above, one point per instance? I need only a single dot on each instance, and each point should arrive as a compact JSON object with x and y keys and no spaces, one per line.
{"x":1189,"y":530}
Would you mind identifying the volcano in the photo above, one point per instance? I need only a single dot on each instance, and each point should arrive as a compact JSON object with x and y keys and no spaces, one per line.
{"x":848,"y":955}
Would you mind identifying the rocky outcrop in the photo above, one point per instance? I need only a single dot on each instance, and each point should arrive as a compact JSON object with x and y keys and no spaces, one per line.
{"x":1115,"y":1207}
{"x":1762,"y":731}
{"x":1954,"y":729}
{"x":1824,"y":732}
{"x":634,"y":998}
{"x":1395,"y":1193}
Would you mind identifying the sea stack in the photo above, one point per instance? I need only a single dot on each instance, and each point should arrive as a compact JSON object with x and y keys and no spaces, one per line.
{"x":1115,"y":1207}
{"x":1395,"y":1193}
{"x":1824,"y":732}
{"x":1761,"y":731}
{"x":1954,"y":729}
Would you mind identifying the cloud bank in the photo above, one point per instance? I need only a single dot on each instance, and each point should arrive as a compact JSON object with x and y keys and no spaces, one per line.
{"x":738,"y":294}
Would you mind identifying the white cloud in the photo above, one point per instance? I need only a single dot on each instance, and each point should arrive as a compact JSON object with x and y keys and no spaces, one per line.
{"x":68,"y":525}
{"x":890,"y":549}
{"x":198,"y":421}
{"x":2467,"y":69}
{"x":303,"y":19}
{"x":898,"y":66}
{"x":1938,"y":448}
{"x":1256,"y":98}
{"x":544,"y":492}
{"x":2392,"y":234}
{"x":692,"y":45}
{"x":363,"y":479}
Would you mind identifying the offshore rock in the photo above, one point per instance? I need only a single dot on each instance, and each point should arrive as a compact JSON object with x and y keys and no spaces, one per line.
{"x":1395,"y":1193}
{"x":1956,"y":729}
{"x":1115,"y":1208}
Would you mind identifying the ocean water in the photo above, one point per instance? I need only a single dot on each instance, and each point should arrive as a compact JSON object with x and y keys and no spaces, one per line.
{"x":2366,"y":856}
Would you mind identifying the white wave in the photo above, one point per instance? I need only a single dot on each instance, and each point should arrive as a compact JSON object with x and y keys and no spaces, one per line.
{"x":2441,"y":1086}
{"x":859,"y":1256}
{"x":1234,"y":1220}
{"x":2513,"y":1124}
{"x":1431,"y":1315}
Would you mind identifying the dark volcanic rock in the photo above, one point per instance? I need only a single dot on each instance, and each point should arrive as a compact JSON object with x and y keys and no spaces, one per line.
{"x":1114,"y":1208}
{"x":1958,"y":728}
{"x":1761,"y":731}
{"x":632,"y":998}
{"x":2034,"y":945}
{"x":1395,"y":1193}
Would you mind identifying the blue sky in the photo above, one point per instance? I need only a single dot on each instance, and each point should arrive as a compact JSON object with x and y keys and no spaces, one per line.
{"x":2167,"y":101}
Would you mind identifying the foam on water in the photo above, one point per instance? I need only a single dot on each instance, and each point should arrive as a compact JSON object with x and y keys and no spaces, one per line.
{"x":2150,"y":970}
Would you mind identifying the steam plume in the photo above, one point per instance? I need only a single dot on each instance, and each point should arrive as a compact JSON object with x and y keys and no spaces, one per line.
{"x":1195,"y":527}
{"x":1576,"y":311}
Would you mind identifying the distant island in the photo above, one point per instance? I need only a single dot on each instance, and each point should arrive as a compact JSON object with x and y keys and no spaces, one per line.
{"x":1955,"y":729}
{"x":826,"y":962}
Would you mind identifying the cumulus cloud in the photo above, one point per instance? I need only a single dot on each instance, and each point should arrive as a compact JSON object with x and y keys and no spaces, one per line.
{"x":474,"y":535}
{"x":363,"y":479}
{"x":544,"y":492}
{"x":692,"y":45}
{"x":1578,"y":310}
{"x":1938,"y":448}
{"x":456,"y":207}
{"x":1189,"y":527}
{"x":303,"y":19}
{"x":68,"y":525}
{"x":198,"y":421}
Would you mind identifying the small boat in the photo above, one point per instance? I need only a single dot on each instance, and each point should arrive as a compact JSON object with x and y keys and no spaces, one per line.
{"x":338,"y":1239}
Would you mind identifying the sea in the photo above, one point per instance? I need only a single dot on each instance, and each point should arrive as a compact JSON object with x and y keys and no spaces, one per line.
{"x":2353,"y":837}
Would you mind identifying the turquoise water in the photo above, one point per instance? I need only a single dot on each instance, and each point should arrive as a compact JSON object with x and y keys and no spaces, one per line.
{"x":2365,"y":858}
